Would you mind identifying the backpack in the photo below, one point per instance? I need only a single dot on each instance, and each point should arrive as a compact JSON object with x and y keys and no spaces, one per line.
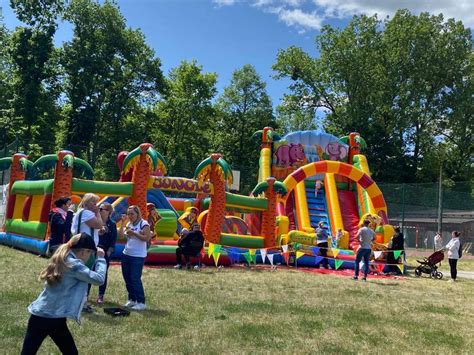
{"x":460,"y":251}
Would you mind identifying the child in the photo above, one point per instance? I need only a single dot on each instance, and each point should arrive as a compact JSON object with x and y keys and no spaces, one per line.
{"x":64,"y":294}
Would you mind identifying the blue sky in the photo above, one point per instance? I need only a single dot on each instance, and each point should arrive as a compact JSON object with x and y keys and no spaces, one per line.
{"x":224,"y":35}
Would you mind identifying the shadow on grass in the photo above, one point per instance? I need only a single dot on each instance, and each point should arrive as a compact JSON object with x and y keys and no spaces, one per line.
{"x":396,"y":284}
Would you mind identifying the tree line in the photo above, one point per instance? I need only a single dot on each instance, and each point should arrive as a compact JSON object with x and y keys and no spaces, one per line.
{"x":405,"y":84}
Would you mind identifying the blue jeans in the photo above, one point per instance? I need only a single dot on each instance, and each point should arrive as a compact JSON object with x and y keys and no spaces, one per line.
{"x":132,"y":268}
{"x":362,"y":254}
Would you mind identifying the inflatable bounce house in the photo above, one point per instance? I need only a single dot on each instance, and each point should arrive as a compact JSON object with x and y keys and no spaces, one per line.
{"x":305,"y":178}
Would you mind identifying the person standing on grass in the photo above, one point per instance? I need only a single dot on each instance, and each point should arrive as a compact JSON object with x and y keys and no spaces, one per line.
{"x":438,"y":241}
{"x":64,"y":294}
{"x":454,"y":253}
{"x":397,"y":243}
{"x":60,"y":219}
{"x":366,"y":237}
{"x":138,"y":234}
{"x":88,"y":220}
{"x":107,"y":240}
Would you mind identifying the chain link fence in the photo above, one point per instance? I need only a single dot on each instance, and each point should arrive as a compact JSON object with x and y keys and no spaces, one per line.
{"x":420,"y":211}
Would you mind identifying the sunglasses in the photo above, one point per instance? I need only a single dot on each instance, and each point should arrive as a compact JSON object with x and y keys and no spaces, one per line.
{"x":104,"y":209}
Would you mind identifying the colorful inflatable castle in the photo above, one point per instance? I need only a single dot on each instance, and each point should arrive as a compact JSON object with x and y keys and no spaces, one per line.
{"x":304,"y":178}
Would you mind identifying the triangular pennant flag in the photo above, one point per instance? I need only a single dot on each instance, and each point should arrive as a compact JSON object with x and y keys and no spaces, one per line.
{"x":217,"y":248}
{"x":270,"y":258}
{"x":248,"y":257}
{"x":315,"y":250}
{"x":335,"y":252}
{"x":299,"y":254}
{"x":253,"y":254}
{"x":380,"y":268}
{"x":216,"y":256}
{"x":338,"y":263}
{"x":263,"y":254}
{"x":396,"y":254}
{"x":400,"y":266}
{"x":284,"y":248}
{"x":377,"y":254}
{"x":286,"y":256}
{"x":210,"y":249}
{"x":317,"y":259}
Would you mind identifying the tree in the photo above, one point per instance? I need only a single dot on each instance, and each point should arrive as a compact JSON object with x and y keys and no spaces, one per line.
{"x":111,"y":75}
{"x":395,"y":84}
{"x":244,"y":107}
{"x":34,"y":82}
{"x":7,"y":122}
{"x":185,"y":116}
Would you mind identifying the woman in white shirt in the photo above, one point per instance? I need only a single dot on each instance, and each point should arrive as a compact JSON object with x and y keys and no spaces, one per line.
{"x":87,"y":218}
{"x":453,"y":253}
{"x":137,"y":232}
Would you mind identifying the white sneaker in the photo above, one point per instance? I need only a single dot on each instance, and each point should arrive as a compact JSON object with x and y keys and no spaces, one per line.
{"x":451,"y":280}
{"x":178,"y":266}
{"x":130,"y":303}
{"x":139,"y":307}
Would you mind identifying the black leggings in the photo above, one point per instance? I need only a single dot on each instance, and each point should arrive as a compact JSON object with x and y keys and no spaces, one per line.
{"x":453,"y":264}
{"x":324,"y":253}
{"x":39,"y":328}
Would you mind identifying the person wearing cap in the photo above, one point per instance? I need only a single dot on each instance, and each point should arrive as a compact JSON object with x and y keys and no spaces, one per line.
{"x":66,"y":278}
{"x":189,"y":218}
{"x":189,"y":244}
{"x":322,"y":243}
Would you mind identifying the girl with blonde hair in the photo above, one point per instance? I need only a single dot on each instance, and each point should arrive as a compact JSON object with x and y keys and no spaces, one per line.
{"x":66,"y":278}
{"x":88,"y":219}
{"x":137,"y":232}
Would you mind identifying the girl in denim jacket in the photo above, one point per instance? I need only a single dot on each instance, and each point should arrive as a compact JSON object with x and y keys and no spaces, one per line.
{"x":64,"y":294}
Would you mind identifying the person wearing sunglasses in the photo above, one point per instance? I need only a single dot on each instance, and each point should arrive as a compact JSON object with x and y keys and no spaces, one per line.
{"x":107,"y":240}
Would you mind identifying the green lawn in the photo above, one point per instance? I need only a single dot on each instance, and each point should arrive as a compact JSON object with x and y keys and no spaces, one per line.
{"x":242,"y":311}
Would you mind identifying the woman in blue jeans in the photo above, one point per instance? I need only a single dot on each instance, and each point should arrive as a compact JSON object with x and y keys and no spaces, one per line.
{"x":366,"y":236}
{"x":137,"y":232}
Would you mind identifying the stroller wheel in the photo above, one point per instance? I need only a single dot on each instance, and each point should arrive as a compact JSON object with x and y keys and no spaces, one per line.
{"x":417,"y":272}
{"x":439,"y":275}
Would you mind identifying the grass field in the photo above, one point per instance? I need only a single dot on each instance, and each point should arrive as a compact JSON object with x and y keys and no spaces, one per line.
{"x":236,"y":310}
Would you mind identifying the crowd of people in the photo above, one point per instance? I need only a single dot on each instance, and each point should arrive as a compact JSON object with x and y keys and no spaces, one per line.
{"x":81,"y":244}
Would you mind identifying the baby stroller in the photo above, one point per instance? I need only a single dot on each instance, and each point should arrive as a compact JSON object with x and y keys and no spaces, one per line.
{"x":429,"y":265}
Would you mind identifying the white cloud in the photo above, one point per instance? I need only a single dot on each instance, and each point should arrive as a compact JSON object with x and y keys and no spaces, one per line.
{"x":224,"y":2}
{"x":312,"y":14}
{"x":459,"y":9}
{"x":298,"y":18}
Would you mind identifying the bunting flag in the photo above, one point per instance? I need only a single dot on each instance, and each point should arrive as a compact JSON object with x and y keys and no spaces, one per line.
{"x":377,"y":254}
{"x":284,"y":248}
{"x":210,"y":249}
{"x":263,"y":254}
{"x":315,"y":250}
{"x":270,"y":258}
{"x":380,"y":267}
{"x":217,"y":248}
{"x":335,"y":252}
{"x":396,"y":254}
{"x":400,"y":266}
{"x":248,"y":257}
{"x":203,"y":253}
{"x":253,"y":254}
{"x":216,"y":256}
{"x":286,"y":256}
{"x":338,"y":263}
{"x":317,"y":259}
{"x":299,"y":254}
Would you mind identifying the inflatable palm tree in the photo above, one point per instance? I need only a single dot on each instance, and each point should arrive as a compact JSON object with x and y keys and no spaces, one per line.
{"x":271,"y":188}
{"x":143,"y":160}
{"x":218,"y":172}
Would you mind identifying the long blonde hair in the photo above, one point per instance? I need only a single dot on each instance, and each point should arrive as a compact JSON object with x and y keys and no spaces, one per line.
{"x":137,"y":210}
{"x":57,"y":266}
{"x":87,"y":198}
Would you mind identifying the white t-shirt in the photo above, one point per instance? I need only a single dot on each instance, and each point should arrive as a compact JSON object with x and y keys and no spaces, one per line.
{"x":136,"y":247}
{"x":87,"y":215}
{"x":453,"y":248}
